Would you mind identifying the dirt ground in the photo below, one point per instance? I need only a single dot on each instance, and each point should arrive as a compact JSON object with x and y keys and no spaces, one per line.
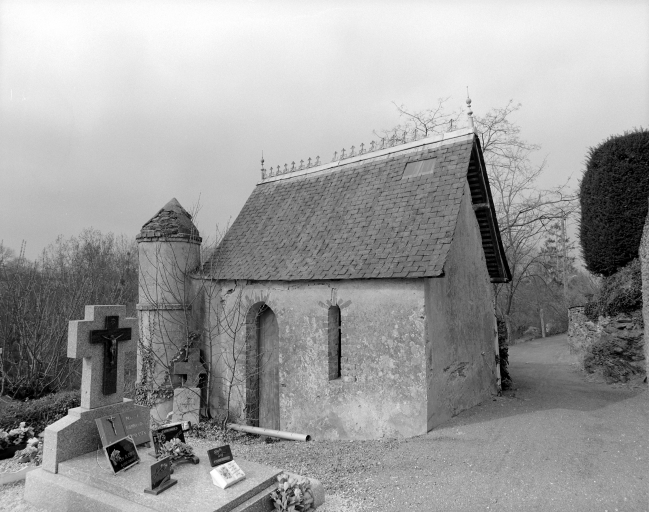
{"x":559,"y":441}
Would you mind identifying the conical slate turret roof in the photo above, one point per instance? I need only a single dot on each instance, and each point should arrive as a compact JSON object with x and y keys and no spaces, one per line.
{"x":172,"y":221}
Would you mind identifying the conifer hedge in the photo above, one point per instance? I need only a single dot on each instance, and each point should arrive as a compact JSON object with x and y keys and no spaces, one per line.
{"x":613,"y":195}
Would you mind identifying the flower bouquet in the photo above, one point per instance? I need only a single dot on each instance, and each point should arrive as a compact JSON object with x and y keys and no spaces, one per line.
{"x":178,"y":451}
{"x":14,"y":440}
{"x":33,"y":452}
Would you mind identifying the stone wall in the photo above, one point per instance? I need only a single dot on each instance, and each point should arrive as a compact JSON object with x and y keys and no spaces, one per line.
{"x":581,"y":331}
{"x":644,"y":263}
{"x":612,"y":347}
{"x":382,"y":389}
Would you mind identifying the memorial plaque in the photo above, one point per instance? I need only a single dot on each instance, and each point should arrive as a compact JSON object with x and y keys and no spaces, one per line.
{"x":187,"y":405}
{"x":220,"y":455}
{"x":137,"y":424}
{"x":163,"y":434}
{"x":111,"y":429}
{"x":227,"y":474}
{"x":161,"y":476}
{"x":122,"y":454}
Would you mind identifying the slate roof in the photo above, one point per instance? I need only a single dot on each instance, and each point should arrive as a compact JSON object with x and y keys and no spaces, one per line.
{"x":358,"y":219}
{"x":171,"y":221}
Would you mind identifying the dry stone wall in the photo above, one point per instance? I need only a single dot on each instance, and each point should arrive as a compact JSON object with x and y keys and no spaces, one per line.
{"x":612,"y":347}
{"x":644,"y":263}
{"x":582,"y":332}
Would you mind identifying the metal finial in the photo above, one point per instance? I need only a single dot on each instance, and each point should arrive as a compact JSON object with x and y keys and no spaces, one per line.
{"x":335,"y":156}
{"x":371,"y":146}
{"x":342,"y":154}
{"x":263,"y":171}
{"x":301,"y":165}
{"x":308,"y":163}
{"x":362,"y":150}
{"x":285,"y":168}
{"x":317,"y":161}
{"x":292,"y":166}
{"x":470,"y":112}
{"x":352,"y":152}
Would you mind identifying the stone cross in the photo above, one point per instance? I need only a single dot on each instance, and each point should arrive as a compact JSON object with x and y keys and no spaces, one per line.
{"x":95,"y":340}
{"x":192,"y":369}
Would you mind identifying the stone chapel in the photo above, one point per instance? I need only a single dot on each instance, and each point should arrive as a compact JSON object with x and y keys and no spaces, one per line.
{"x":348,"y":300}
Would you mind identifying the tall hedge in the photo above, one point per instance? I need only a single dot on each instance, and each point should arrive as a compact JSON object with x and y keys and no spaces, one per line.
{"x":613,"y":194}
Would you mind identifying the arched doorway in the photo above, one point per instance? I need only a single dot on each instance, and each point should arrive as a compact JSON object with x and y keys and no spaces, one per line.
{"x":262,"y":367}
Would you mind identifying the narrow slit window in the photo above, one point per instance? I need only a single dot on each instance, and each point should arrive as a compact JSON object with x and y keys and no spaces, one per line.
{"x":334,"y":342}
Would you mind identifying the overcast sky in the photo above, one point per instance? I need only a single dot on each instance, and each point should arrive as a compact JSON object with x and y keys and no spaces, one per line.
{"x":109,"y":109}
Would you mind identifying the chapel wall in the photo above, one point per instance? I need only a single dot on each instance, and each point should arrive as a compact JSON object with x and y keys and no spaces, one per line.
{"x":382,"y":389}
{"x":462,"y":342}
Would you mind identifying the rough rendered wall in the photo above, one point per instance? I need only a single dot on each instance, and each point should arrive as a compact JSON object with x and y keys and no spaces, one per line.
{"x":382,"y":390}
{"x":460,"y":351}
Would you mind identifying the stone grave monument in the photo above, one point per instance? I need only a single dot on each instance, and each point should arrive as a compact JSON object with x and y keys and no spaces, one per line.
{"x":102,"y":340}
{"x":76,"y":476}
{"x":187,"y":399}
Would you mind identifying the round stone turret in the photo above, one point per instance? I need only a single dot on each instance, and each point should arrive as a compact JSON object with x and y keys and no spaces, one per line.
{"x":169,"y":252}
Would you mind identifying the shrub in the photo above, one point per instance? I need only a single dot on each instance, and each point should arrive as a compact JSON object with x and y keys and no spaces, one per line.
{"x":613,"y":196}
{"x":39,"y":413}
{"x":619,"y":293}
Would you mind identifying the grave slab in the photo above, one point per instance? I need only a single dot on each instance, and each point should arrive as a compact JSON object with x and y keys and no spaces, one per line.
{"x":194,"y":491}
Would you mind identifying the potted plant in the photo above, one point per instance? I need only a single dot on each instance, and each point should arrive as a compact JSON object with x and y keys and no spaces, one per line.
{"x":292,"y":494}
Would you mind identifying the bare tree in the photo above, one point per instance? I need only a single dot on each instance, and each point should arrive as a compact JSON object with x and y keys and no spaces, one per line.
{"x":524,"y":211}
{"x":38,"y":298}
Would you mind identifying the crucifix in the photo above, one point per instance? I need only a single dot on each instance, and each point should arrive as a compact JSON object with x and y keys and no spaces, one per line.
{"x":111,"y":420}
{"x":102,"y":340}
{"x":110,"y":336}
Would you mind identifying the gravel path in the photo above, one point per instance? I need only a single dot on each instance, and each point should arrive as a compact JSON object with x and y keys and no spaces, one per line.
{"x":557,"y":441}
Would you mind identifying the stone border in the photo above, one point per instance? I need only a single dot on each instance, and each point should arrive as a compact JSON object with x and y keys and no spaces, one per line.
{"x":16,"y":476}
